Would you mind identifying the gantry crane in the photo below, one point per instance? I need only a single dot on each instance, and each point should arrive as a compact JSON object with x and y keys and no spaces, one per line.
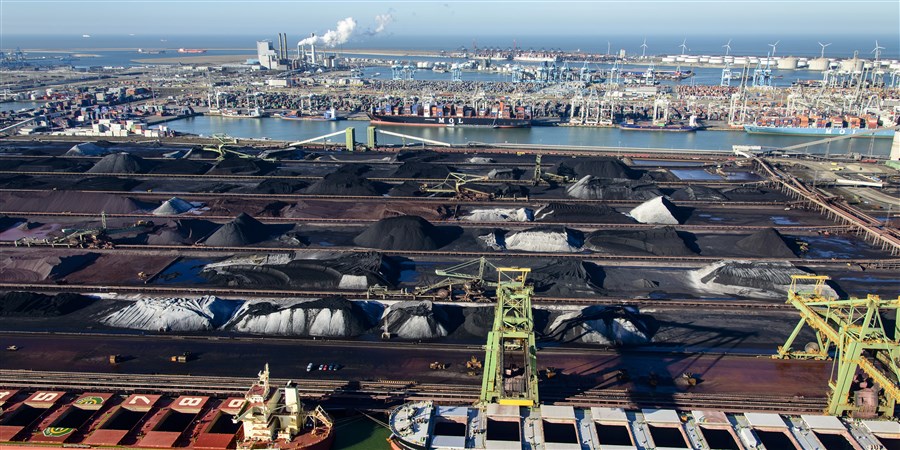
{"x":510,"y":361}
{"x":855,"y":329}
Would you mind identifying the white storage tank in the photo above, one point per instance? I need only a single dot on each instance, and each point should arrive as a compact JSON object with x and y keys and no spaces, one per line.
{"x":668,"y":59}
{"x":788,"y":63}
{"x":851,"y":65}
{"x":716,"y":60}
{"x":691,"y":60}
{"x":741,"y":60}
{"x":819,"y":64}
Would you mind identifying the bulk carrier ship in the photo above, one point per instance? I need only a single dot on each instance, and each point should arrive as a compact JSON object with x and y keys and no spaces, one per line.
{"x":266,"y":417}
{"x":499,"y":115}
{"x":509,"y":415}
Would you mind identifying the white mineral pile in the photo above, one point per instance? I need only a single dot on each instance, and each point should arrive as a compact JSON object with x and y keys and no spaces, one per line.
{"x":480,"y":160}
{"x":329,"y":317}
{"x":657,"y":211}
{"x":558,"y":241}
{"x":599,"y":326}
{"x":173,"y":206}
{"x":501,"y":215}
{"x":751,"y":279}
{"x":414,"y":320}
{"x":173,"y":314}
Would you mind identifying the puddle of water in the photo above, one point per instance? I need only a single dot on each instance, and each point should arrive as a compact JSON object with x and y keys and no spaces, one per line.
{"x":183,"y":271}
{"x":782,"y":220}
{"x":694,"y":174}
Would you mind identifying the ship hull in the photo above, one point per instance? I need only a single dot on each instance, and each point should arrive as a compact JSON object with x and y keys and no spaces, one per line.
{"x":476,"y":122}
{"x":799,"y":131}
{"x":668,"y":128}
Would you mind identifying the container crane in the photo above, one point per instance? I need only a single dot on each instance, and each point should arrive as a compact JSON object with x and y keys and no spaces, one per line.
{"x":864,"y":351}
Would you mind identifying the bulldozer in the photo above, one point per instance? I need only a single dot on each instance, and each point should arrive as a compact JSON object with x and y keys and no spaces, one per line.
{"x":437,"y":365}
{"x":473,"y":365}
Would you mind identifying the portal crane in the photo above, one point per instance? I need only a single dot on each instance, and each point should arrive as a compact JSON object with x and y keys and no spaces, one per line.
{"x":510,"y":362}
{"x":855,"y":329}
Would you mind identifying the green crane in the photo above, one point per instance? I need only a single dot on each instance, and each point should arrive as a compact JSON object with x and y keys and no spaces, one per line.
{"x":854,"y":328}
{"x":510,"y":361}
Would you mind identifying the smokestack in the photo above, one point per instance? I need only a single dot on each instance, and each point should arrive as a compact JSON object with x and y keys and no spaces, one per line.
{"x":312,"y":50}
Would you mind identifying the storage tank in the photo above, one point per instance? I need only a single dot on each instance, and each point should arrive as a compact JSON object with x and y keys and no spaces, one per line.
{"x":691,"y":60}
{"x":819,"y":64}
{"x":668,"y":59}
{"x":741,"y":60}
{"x":851,"y":65}
{"x":788,"y":63}
{"x":716,"y":60}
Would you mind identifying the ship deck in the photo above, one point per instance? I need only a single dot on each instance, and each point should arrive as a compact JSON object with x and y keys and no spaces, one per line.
{"x":140,"y":420}
{"x":423,"y":425}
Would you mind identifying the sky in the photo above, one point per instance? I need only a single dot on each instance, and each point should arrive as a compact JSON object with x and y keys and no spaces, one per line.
{"x":463,"y":21}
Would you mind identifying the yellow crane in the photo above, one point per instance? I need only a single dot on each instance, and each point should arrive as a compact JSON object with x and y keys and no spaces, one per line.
{"x":864,"y":352}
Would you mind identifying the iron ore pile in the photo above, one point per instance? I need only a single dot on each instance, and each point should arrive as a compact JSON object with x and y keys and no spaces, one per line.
{"x":406,"y":245}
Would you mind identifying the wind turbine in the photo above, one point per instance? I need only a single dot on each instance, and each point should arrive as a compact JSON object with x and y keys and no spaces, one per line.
{"x":823,"y":49}
{"x":727,"y":47}
{"x":644,"y":48}
{"x":774,"y":46}
{"x":683,"y":46}
{"x":877,"y":51}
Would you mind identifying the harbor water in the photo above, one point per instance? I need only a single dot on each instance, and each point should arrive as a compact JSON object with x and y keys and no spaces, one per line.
{"x":296,"y":130}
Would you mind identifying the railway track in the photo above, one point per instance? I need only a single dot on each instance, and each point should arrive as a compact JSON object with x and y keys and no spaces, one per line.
{"x":607,"y":259}
{"x":453,"y":222}
{"x":169,"y":291}
{"x":355,"y":198}
{"x":395,"y":391}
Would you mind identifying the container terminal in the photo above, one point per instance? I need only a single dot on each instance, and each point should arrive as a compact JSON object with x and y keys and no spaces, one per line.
{"x":471,"y":295}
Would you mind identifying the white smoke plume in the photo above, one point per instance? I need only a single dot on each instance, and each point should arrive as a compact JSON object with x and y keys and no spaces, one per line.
{"x":333,"y":38}
{"x":382,"y":21}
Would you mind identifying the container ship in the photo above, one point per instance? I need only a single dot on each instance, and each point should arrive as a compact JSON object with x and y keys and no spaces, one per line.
{"x":509,"y":414}
{"x":499,"y":115}
{"x":820,"y":126}
{"x":266,"y":417}
{"x":191,"y":50}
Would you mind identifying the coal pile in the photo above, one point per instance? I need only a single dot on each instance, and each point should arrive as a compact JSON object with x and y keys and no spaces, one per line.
{"x":747,"y":279}
{"x":241,"y":166}
{"x":172,"y":207}
{"x":698,"y":193}
{"x":568,"y":276}
{"x":327,"y":317}
{"x":544,"y":239}
{"x":345,"y":181}
{"x":120,"y":163}
{"x":20,"y":182}
{"x":24,"y":269}
{"x":417,"y":168}
{"x":406,"y":189}
{"x":181,"y":167}
{"x":178,"y":232}
{"x":603,"y":168}
{"x":415,"y":320}
{"x":766,"y":243}
{"x":505,"y":174}
{"x":90,"y":149}
{"x":9,"y":222}
{"x":661,"y":241}
{"x":271,"y":186}
{"x":658,"y":210}
{"x":603,"y":325}
{"x":31,"y":304}
{"x":105,"y":184}
{"x":352,"y":272}
{"x":508,"y":190}
{"x":404,"y":233}
{"x":575,"y":213}
{"x":54,"y":164}
{"x":72,"y":201}
{"x":243,"y":230}
{"x":591,"y":188}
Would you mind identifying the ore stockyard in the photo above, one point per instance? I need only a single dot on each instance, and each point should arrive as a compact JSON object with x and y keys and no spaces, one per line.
{"x":457,"y":289}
